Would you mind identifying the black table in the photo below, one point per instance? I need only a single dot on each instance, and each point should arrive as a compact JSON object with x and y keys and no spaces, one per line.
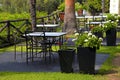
{"x":43,"y":35}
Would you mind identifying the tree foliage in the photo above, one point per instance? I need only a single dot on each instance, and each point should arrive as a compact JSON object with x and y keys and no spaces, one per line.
{"x":18,"y":6}
{"x":95,"y":6}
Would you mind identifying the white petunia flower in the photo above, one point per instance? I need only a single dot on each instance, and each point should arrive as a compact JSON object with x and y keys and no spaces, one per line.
{"x":74,"y":40}
{"x":100,"y":24}
{"x":89,"y":34}
{"x":112,"y":22}
{"x":101,"y":39}
{"x":86,"y":40}
{"x":76,"y":34}
{"x":75,"y":31}
{"x":107,"y":21}
{"x":93,"y":36}
{"x":106,"y":26}
{"x":86,"y":32}
{"x":117,"y":20}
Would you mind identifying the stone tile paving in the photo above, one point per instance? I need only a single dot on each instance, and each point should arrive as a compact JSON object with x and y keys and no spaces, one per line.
{"x":8,"y":63}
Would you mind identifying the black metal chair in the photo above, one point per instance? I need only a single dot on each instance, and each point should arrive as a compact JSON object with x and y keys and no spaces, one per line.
{"x":19,"y":41}
{"x":38,"y":47}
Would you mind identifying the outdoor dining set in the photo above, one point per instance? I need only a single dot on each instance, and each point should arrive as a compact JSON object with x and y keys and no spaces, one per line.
{"x":47,"y":41}
{"x":39,"y":43}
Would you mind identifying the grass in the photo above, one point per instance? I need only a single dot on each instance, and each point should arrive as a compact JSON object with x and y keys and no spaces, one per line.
{"x":112,"y":51}
{"x":47,"y":76}
{"x":105,"y":69}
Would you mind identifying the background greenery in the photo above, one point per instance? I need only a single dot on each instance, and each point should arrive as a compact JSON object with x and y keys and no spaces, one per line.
{"x":20,"y":6}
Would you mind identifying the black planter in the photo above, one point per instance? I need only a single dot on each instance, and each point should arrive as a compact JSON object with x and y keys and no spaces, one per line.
{"x":66,"y":58}
{"x":86,"y":58}
{"x":98,"y":34}
{"x":111,"y":37}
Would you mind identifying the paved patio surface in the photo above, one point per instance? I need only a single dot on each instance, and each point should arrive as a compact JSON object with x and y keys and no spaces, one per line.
{"x":8,"y":63}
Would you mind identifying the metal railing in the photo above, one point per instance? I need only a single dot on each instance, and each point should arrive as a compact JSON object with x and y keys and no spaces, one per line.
{"x":11,"y":28}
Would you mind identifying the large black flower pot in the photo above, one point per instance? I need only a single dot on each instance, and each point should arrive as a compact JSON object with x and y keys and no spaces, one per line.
{"x":66,"y":58}
{"x":86,"y":59}
{"x":111,"y":37}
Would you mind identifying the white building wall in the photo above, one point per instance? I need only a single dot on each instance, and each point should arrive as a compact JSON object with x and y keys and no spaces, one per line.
{"x":114,"y":6}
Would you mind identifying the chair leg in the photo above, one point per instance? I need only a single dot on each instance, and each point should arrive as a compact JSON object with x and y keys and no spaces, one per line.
{"x":15,"y":52}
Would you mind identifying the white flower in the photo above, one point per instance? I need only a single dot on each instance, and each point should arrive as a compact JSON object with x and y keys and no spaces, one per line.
{"x":106,"y":26}
{"x":107,"y":21}
{"x":112,"y":22}
{"x":117,"y":20}
{"x":93,"y":36}
{"x":100,"y":39}
{"x":86,"y":32}
{"x":89,"y":38}
{"x":100,"y":24}
{"x":74,"y":40}
{"x":103,"y":26}
{"x":76,"y":34}
{"x":86,"y":40}
{"x":75,"y":31}
{"x":89,"y":34}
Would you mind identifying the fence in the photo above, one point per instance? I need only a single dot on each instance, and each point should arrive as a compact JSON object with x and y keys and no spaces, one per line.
{"x":11,"y":28}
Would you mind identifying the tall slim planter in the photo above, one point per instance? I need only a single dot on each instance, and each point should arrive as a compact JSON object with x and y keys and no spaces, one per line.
{"x":86,"y":59}
{"x":111,"y":37}
{"x":66,"y":58}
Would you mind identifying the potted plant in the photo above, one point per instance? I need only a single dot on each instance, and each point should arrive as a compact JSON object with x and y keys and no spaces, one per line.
{"x":86,"y":44}
{"x":66,"y":58}
{"x":61,"y":8}
{"x":98,"y":30}
{"x":110,"y":29}
{"x":119,"y":20}
{"x":79,"y":8}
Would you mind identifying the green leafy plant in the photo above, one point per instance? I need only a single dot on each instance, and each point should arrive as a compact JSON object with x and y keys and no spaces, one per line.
{"x":118,"y":17}
{"x":112,"y":17}
{"x":78,"y":6}
{"x":87,"y":39}
{"x":64,"y":46}
{"x":112,"y":22}
{"x":98,"y":28}
{"x":110,"y":25}
{"x":61,"y":7}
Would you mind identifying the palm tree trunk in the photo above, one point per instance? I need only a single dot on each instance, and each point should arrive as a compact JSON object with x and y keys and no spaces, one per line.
{"x":69,"y":20}
{"x":33,"y":13}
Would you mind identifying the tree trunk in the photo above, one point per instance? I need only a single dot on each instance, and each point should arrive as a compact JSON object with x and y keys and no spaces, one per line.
{"x":69,"y":20}
{"x":33,"y":13}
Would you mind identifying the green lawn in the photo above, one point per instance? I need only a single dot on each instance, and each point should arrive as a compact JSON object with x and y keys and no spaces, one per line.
{"x":47,"y":76}
{"x":106,"y":68}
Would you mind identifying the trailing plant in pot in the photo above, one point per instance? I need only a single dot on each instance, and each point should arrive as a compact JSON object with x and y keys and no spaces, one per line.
{"x":66,"y":58}
{"x":79,"y":8}
{"x":118,"y":20}
{"x":110,"y":29}
{"x":110,"y":25}
{"x":98,"y":30}
{"x":86,"y":44}
{"x":87,"y":39}
{"x":61,"y":8}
